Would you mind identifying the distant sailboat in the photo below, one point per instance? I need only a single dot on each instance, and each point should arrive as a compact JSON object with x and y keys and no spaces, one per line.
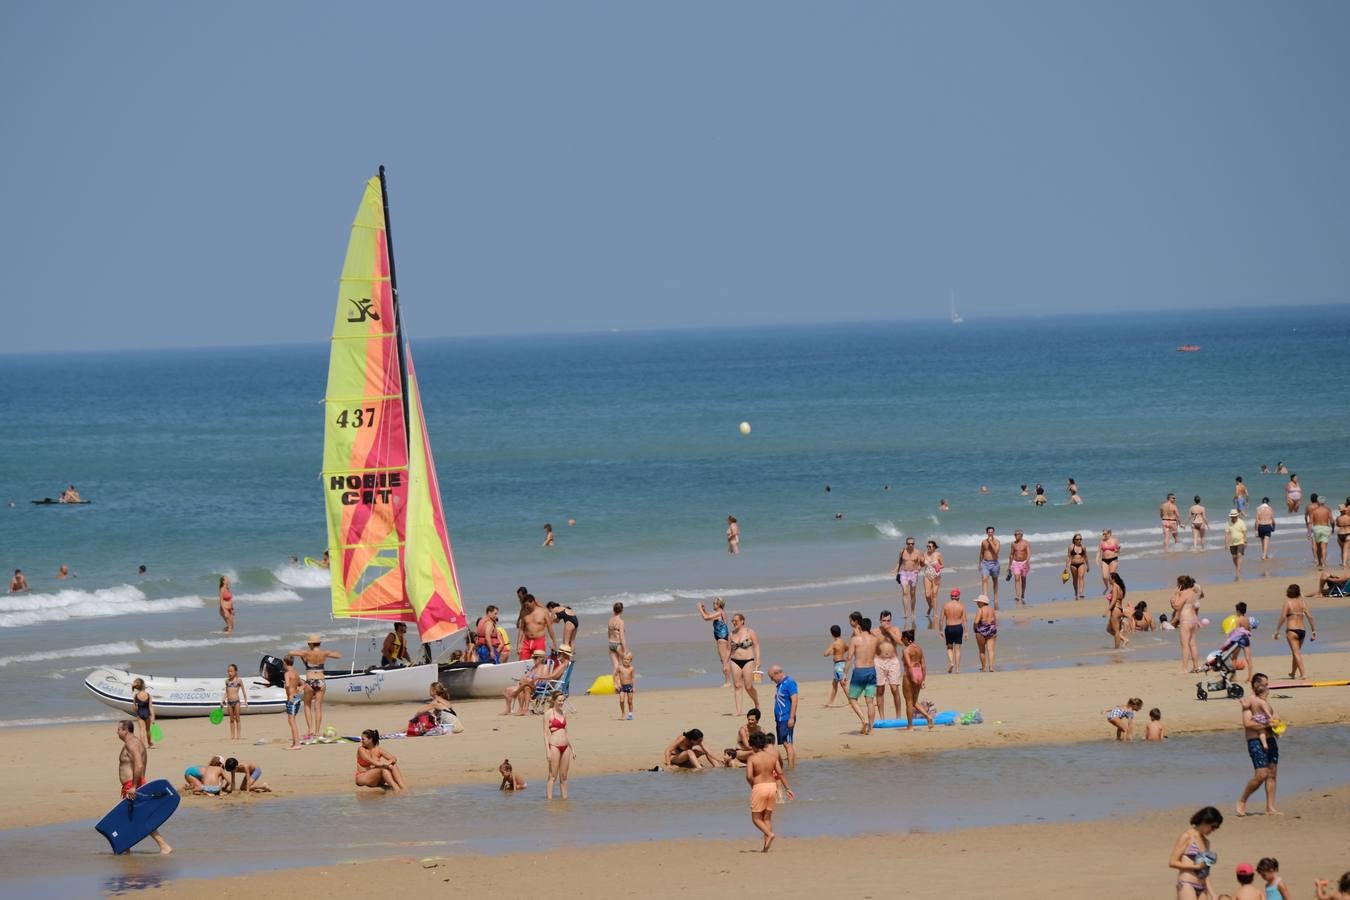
{"x":956,"y":316}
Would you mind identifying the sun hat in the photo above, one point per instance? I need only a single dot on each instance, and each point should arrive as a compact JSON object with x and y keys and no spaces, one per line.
{"x":1232,"y":514}
{"x":538,"y":654}
{"x":982,"y":600}
{"x":313,"y":639}
{"x":565,"y":648}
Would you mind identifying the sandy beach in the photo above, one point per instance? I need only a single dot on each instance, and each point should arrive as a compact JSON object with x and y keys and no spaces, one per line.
{"x":1028,"y":706}
{"x":1122,"y":858}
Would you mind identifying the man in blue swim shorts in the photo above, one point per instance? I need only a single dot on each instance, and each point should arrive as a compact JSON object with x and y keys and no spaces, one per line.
{"x":1258,"y":719}
{"x":989,"y":548}
{"x":862,"y":651}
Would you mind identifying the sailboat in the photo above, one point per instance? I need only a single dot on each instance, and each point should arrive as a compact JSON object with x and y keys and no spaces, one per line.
{"x":390,"y":548}
{"x":957,"y":319}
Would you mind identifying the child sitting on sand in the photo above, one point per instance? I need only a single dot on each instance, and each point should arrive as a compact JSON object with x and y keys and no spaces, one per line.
{"x":1122,"y":718}
{"x":251,"y":772}
{"x":1155,"y":730}
{"x":838,"y":651}
{"x":623,"y":684}
{"x":510,"y":780}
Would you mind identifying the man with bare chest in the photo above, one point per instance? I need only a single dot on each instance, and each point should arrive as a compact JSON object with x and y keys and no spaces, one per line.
{"x":989,"y":550}
{"x":862,"y":652}
{"x":1019,"y":566}
{"x":907,"y":574}
{"x":131,"y":762}
{"x":533,"y":624}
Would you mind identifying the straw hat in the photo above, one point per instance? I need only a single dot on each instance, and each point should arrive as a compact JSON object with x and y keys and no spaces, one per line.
{"x":565,"y":648}
{"x":313,"y":639}
{"x":538,"y":654}
{"x":982,"y":600}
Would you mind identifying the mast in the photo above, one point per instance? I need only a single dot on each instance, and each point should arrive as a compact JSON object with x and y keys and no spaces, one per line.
{"x":393,"y":287}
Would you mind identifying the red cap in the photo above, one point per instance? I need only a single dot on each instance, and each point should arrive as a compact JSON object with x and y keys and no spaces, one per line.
{"x":1245,"y":869}
{"x":956,"y":592}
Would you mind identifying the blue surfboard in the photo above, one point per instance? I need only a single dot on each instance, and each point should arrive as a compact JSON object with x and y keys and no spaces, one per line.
{"x":948,"y":717}
{"x":131,"y":821}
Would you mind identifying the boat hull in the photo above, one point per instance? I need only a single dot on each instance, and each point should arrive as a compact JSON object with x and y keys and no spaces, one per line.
{"x":409,"y":684}
{"x":481,"y":680}
{"x":179,"y":698}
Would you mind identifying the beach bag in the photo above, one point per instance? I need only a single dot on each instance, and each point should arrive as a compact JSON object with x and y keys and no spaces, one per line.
{"x":420,"y":724}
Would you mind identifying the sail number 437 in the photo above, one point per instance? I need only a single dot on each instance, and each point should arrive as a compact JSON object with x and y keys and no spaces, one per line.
{"x":361,"y":417}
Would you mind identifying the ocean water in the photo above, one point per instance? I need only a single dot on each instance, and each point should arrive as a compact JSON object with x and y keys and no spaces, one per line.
{"x":203,"y":462}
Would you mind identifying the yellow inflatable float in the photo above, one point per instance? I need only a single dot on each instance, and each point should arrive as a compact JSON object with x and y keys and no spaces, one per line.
{"x":603,"y":684}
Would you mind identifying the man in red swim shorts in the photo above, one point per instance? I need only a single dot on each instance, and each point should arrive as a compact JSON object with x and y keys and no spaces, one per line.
{"x":534,"y":622}
{"x":131,"y":769}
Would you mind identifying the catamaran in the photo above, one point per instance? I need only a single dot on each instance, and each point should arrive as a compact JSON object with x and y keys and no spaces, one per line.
{"x":390,"y":548}
{"x":389,"y":545}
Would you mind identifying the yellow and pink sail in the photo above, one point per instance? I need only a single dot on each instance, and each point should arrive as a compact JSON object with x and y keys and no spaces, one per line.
{"x":389,"y":547}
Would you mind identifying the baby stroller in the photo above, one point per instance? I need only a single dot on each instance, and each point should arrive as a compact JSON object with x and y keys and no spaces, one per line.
{"x":1220,"y":663}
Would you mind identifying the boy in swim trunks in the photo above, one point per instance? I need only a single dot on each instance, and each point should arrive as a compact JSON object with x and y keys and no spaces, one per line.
{"x":763,"y":772}
{"x":838,"y":651}
{"x":252,"y":773}
{"x":295,"y":699}
{"x":623,"y":683}
{"x":954,"y":630}
{"x":862,"y":652}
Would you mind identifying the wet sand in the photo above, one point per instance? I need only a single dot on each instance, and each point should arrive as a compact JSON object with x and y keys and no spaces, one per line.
{"x":77,"y":775}
{"x":1122,"y":858}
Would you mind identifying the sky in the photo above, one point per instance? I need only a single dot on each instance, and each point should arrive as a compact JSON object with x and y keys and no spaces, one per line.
{"x":184,"y":174}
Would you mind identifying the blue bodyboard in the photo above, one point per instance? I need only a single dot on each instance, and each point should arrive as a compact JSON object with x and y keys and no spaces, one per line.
{"x":131,"y":821}
{"x":943,"y":718}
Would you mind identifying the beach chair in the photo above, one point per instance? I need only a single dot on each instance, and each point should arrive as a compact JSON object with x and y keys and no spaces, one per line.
{"x":543,"y":689}
{"x":1337,"y":588}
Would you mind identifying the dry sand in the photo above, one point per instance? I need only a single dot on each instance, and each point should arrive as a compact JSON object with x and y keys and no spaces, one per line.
{"x":70,"y":772}
{"x":1122,"y":858}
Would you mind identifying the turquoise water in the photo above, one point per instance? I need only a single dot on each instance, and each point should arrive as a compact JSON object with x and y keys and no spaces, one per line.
{"x":203,"y":462}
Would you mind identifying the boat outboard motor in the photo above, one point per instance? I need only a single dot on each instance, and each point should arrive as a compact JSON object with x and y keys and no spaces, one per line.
{"x":273,"y":671}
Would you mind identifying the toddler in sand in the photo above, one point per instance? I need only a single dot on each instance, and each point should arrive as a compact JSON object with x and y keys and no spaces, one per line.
{"x":1155,"y":731}
{"x":623,"y":684}
{"x":838,"y":651}
{"x":1122,"y":718}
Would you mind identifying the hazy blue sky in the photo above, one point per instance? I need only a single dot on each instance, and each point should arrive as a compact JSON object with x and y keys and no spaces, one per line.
{"x":185,"y":173}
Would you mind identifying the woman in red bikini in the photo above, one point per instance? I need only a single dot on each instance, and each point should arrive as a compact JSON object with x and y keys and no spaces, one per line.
{"x":375,"y":767}
{"x":557,"y":743}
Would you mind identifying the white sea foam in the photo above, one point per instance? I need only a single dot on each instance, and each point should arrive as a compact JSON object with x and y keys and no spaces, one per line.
{"x":888,"y":529}
{"x":302,"y":576}
{"x":1036,"y":537}
{"x":121,"y":647}
{"x":184,"y":643}
{"x":59,"y":720}
{"x":603,"y":603}
{"x":284,"y":595}
{"x":33,"y":609}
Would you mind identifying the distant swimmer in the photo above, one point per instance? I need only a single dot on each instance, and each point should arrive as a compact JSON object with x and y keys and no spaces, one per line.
{"x":942,"y":506}
{"x":1265,"y":469}
{"x":70,"y":495}
{"x":1024,"y":491}
{"x":18,"y":584}
{"x":1074,"y":497}
{"x":734,"y":534}
{"x":1281,"y":468}
{"x":548,"y":535}
{"x":140,"y":570}
{"x":1040,"y":499}
{"x":63,"y":573}
{"x":324,"y":561}
{"x":984,"y":489}
{"x":294,"y":560}
{"x":571,"y":522}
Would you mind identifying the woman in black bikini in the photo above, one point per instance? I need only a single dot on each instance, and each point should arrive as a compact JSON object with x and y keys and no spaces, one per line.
{"x":744,"y":660}
{"x":1077,"y":564}
{"x":568,"y":617}
{"x":1291,"y":620}
{"x":1117,"y":623}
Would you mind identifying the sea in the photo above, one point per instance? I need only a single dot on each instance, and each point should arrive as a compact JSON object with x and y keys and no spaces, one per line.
{"x":203,"y":462}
